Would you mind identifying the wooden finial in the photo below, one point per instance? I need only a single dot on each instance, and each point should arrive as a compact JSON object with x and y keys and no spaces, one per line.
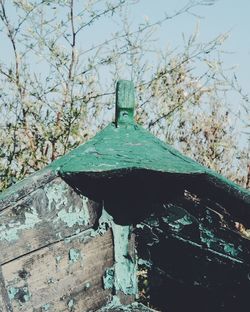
{"x":125,"y":102}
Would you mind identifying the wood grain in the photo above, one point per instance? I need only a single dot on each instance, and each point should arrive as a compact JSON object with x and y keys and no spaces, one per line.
{"x":47,"y":215}
{"x":66,"y":276}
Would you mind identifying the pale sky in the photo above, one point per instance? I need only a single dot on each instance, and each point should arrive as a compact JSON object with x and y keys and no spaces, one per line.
{"x":223,"y":16}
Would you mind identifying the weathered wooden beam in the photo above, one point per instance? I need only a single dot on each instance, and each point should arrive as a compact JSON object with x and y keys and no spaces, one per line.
{"x":194,"y":251}
{"x":25,"y":187}
{"x":66,"y":276}
{"x":47,"y":215}
{"x":5,"y":305}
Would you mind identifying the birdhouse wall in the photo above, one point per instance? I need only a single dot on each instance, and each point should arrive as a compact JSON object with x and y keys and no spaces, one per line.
{"x":53,"y":255}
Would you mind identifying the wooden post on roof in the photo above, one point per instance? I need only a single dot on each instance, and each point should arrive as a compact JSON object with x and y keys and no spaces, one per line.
{"x":125,"y":102}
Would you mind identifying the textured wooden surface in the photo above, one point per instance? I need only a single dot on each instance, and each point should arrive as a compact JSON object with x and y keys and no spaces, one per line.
{"x":25,"y":187}
{"x":66,"y":276}
{"x":194,"y":251}
{"x":135,"y":307}
{"x":46,"y":215}
{"x":125,"y":102}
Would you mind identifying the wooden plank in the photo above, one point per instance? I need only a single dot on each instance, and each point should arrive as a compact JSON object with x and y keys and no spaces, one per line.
{"x":47,"y":215}
{"x":5,"y":305}
{"x":205,"y":258}
{"x":26,"y":186}
{"x":2,"y":302}
{"x":41,"y":220}
{"x":2,"y":305}
{"x":66,"y":276}
{"x":134,"y":307}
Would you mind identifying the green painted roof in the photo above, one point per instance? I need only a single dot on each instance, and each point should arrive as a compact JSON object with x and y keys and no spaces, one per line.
{"x":126,"y":146}
{"x":132,"y":147}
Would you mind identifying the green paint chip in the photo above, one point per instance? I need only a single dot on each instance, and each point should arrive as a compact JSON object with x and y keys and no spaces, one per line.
{"x":46,"y":307}
{"x":108,"y":278}
{"x":230,"y":249}
{"x":74,"y":255}
{"x":20,"y":294}
{"x":71,"y":304}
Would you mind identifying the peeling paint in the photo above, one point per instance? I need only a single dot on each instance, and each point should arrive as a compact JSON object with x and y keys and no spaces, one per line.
{"x":125,"y":267}
{"x":230,"y":249}
{"x":122,"y":276}
{"x":218,"y":244}
{"x":207,"y":236}
{"x":57,"y":199}
{"x":54,"y":194}
{"x":74,"y":255}
{"x":73,"y":216}
{"x":71,"y":304}
{"x":87,"y":286}
{"x":12,"y":291}
{"x":20,"y":294}
{"x":186,"y":220}
{"x":114,"y":303}
{"x":143,"y":262}
{"x":58,"y":259}
{"x":46,"y":307}
{"x":108,"y":278}
{"x":10,"y":231}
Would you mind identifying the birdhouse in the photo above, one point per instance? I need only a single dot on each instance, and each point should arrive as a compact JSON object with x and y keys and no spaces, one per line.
{"x":80,"y":234}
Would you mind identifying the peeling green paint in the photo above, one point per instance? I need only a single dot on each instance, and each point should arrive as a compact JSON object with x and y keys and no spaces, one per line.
{"x":55,"y":194}
{"x":73,"y":216}
{"x":109,"y":278}
{"x":46,"y":307}
{"x":218,"y":244}
{"x":10,"y":232}
{"x":143,"y":262}
{"x":87,"y":286}
{"x":122,"y":276}
{"x":57,"y":197}
{"x":115,"y":305}
{"x":12,"y":291}
{"x":58,"y":259}
{"x":230,"y":249}
{"x":186,"y":220}
{"x":71,"y":304}
{"x":105,"y":222}
{"x":114,"y":302}
{"x":20,"y":294}
{"x":177,"y":218}
{"x":207,"y":236}
{"x":74,"y":255}
{"x":125,"y":267}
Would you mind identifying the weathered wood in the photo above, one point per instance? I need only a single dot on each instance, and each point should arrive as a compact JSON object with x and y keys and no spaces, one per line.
{"x":5,"y":305}
{"x":2,"y":305}
{"x":2,"y":302}
{"x":66,"y":276}
{"x":134,"y":307}
{"x":25,"y":187}
{"x":47,"y":215}
{"x":193,"y":251}
{"x":125,"y":102}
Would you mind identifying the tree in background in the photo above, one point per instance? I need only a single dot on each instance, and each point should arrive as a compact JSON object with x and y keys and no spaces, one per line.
{"x":57,"y":85}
